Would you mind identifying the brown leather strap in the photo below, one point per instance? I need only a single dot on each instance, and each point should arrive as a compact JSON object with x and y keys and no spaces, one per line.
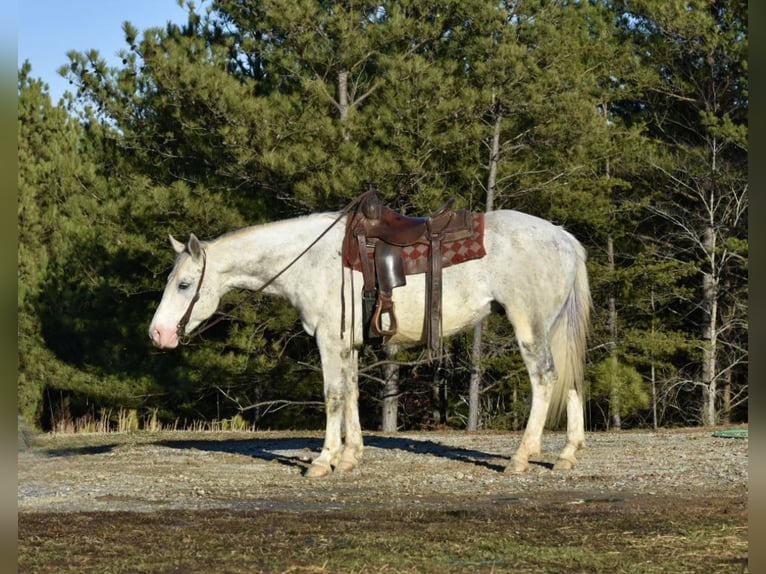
{"x":181,"y":327}
{"x":434,"y":295}
{"x":343,"y":213}
{"x":368,"y":266}
{"x":381,"y":235}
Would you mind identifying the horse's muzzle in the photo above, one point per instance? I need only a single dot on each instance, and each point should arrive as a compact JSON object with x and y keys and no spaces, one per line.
{"x":163,"y":338}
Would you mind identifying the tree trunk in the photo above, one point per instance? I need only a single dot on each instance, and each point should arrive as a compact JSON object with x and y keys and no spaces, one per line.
{"x":614,"y":384}
{"x":474,"y":385}
{"x":390,"y":396}
{"x":653,"y":375}
{"x":343,"y":102}
{"x":515,"y":424}
{"x":439,"y":397}
{"x":475,"y":382}
{"x":654,"y":398}
{"x":710,"y":304}
{"x":727,"y":398}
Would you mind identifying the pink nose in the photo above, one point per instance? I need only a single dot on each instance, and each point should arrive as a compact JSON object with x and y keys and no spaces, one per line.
{"x":163,"y":337}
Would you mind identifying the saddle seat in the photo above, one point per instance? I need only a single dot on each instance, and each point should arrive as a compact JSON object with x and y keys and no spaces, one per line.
{"x":382,"y":222}
{"x":377,"y":236}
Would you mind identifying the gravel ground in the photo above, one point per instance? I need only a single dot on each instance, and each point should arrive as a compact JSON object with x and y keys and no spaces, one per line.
{"x":249,"y":471}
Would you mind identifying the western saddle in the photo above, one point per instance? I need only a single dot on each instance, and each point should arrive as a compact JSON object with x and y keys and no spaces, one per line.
{"x":380,"y":242}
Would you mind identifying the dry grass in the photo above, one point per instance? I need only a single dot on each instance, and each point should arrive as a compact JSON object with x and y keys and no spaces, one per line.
{"x":128,"y":420}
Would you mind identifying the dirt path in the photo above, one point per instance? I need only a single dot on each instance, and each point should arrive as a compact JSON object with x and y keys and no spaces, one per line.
{"x":638,"y":480}
{"x":145,"y":471}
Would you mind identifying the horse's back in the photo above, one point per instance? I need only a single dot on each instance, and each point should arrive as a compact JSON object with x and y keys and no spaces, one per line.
{"x":525,"y":244}
{"x":527,"y":230}
{"x":529,"y":268}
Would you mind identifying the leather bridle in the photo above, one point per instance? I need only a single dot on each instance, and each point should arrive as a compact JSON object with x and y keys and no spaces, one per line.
{"x":181,"y":327}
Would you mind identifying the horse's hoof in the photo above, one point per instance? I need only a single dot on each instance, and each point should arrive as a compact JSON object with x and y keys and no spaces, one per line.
{"x":317,"y":471}
{"x":564,"y":464}
{"x":517,"y":467}
{"x":346,"y":466}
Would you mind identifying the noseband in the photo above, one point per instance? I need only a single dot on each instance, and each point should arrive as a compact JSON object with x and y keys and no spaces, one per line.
{"x":181,"y":327}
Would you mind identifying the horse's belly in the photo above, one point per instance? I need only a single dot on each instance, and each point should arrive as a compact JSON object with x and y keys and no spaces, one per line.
{"x":463,"y":304}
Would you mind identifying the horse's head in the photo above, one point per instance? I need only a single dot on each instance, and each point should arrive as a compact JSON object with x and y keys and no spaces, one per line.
{"x":190,"y":296}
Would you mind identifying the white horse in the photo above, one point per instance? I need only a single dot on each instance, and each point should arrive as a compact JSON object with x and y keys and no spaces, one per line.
{"x":533,"y":270}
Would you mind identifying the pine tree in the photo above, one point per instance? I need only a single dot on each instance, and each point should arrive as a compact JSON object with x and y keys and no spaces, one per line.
{"x":590,"y":114}
{"x":47,"y":146}
{"x":567,"y":150}
{"x":699,"y":115}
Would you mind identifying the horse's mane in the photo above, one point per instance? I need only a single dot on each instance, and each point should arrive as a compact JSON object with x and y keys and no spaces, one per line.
{"x":329,"y":216}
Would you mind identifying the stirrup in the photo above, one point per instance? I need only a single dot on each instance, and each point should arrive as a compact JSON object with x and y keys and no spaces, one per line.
{"x":376,"y":324}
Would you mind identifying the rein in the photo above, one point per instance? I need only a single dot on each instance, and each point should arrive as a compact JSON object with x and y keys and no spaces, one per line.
{"x":181,"y":327}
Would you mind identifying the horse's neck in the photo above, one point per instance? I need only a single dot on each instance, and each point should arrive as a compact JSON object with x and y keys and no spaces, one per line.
{"x":250,"y":257}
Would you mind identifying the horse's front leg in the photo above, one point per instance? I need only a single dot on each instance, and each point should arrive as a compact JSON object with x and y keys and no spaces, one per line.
{"x":352,"y":451}
{"x":339,"y":370}
{"x":328,"y":458}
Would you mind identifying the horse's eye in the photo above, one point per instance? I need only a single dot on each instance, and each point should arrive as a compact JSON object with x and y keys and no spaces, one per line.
{"x":183,"y":286}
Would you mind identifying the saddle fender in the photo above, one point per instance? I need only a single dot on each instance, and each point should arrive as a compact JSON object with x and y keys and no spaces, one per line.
{"x":389,"y":267}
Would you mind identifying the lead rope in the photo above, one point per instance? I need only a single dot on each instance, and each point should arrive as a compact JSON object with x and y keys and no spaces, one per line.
{"x":185,"y":339}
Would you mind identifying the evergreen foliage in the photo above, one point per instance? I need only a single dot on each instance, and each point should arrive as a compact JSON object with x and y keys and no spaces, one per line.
{"x":631,"y":396}
{"x":626,"y":122}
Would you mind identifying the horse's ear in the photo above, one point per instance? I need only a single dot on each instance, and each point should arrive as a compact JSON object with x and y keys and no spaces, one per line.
{"x":194,"y":247}
{"x":178,"y":247}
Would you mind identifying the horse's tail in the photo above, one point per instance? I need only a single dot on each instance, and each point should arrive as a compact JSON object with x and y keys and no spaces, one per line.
{"x":569,"y":336}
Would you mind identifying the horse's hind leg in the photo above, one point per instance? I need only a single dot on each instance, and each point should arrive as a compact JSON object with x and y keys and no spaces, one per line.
{"x":575,"y":432}
{"x":542,"y":375}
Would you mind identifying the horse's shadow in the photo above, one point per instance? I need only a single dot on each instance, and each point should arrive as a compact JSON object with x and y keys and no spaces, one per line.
{"x":74,"y":450}
{"x":266,"y":449}
{"x":299,"y":451}
{"x":437,"y":449}
{"x":279,"y":450}
{"x":491,"y":461}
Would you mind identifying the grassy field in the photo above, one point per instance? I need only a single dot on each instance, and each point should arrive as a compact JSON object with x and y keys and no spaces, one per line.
{"x":602,"y":537}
